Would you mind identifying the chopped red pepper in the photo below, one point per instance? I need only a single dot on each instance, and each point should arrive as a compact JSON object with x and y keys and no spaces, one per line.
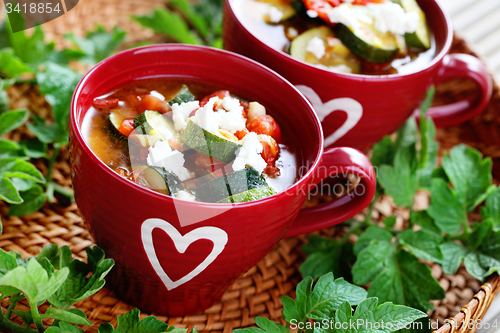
{"x":320,"y":7}
{"x":105,"y":104}
{"x":152,"y":103}
{"x":221,"y":94}
{"x":126,"y":127}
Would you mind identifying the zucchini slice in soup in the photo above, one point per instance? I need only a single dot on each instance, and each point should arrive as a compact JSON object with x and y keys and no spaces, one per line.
{"x":183,"y":96}
{"x":279,"y":10}
{"x":114,"y":122}
{"x":153,"y":123}
{"x":209,"y":144}
{"x":421,"y":38}
{"x":250,"y":195}
{"x":160,"y":180}
{"x":230,"y":184}
{"x":337,"y":56}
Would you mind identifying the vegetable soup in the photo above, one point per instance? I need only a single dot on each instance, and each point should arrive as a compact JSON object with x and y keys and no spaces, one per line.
{"x":373,"y":37}
{"x":191,"y":141}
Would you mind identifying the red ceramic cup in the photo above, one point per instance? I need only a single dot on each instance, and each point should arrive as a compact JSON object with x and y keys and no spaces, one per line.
{"x":176,"y":257}
{"x":372,"y":106}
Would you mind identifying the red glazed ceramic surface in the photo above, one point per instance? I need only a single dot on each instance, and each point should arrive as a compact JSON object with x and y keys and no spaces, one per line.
{"x":358,"y":110}
{"x":177,"y":257}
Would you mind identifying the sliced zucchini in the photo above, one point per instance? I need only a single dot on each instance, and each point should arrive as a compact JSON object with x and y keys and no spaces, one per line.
{"x":160,"y":180}
{"x":284,"y":8}
{"x":144,"y":140}
{"x":208,"y":143}
{"x":421,"y":38}
{"x":230,"y":184}
{"x":114,"y":122}
{"x":336,"y":53}
{"x":250,"y":195}
{"x":153,"y":123}
{"x":185,"y":95}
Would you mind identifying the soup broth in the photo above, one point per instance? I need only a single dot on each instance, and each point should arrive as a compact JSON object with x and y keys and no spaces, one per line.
{"x":191,"y":140}
{"x":254,"y":15}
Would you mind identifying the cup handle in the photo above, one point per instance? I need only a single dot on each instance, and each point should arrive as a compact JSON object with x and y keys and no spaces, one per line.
{"x":461,"y":66}
{"x":337,"y":161}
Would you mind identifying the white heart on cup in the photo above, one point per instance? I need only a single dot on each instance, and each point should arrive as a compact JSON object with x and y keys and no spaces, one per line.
{"x":351,"y":107}
{"x":218,"y":237}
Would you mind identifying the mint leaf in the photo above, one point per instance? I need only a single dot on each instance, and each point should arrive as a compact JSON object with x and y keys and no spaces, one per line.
{"x":64,"y":315}
{"x":58,"y":84}
{"x":131,"y":322}
{"x":426,"y":222}
{"x":33,"y":281}
{"x":58,"y":257}
{"x":10,"y":65}
{"x":492,"y":208}
{"x":423,"y":244}
{"x":453,"y":256}
{"x":46,"y":133}
{"x":169,"y":23}
{"x":469,"y":174}
{"x":326,"y":255}
{"x":446,"y":208}
{"x":11,"y":120}
{"x":25,"y":316}
{"x":98,"y":44}
{"x":383,"y":152}
{"x":20,"y":168}
{"x":33,"y":200}
{"x":186,"y":9}
{"x":265,"y":325}
{"x":34,"y":148}
{"x":370,"y":317}
{"x":484,"y":256}
{"x":372,"y":233}
{"x":397,"y":276}
{"x":32,"y":50}
{"x":428,"y":153}
{"x":390,"y":222}
{"x":322,"y":300}
{"x":407,"y":134}
{"x":64,"y":327}
{"x":8,"y":192}
{"x":8,"y":148}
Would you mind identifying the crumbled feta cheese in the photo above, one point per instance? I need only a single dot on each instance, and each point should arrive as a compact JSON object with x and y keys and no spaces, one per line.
{"x":292,"y":32}
{"x":161,"y":155}
{"x":390,"y":16}
{"x":249,"y":154}
{"x":275,"y":15}
{"x":184,"y":195}
{"x":206,"y":118}
{"x":157,"y":95}
{"x":312,"y":13}
{"x":181,"y":114}
{"x":317,"y":47}
{"x":387,"y":16}
{"x":231,"y":119}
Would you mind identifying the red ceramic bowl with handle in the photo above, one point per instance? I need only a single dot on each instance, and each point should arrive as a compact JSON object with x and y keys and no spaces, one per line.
{"x":176,"y":257}
{"x":358,"y":110}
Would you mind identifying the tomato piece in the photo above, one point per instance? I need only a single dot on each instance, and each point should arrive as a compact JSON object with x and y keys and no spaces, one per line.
{"x":245,"y":106}
{"x":272,"y":171}
{"x":126,"y":127}
{"x":175,"y":145}
{"x":105,"y":104}
{"x":241,"y":134}
{"x":152,"y":103}
{"x":320,"y":7}
{"x":270,"y":149}
{"x":266,"y":125}
{"x":221,"y":94}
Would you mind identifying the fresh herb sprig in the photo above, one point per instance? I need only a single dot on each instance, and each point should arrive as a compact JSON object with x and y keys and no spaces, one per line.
{"x":30,"y":59}
{"x":387,"y":257}
{"x":198,"y":23}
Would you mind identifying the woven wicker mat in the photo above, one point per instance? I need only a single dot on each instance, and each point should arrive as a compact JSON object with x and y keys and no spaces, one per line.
{"x":258,"y":292}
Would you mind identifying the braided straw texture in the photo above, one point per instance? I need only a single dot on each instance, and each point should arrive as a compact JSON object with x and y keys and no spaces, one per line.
{"x":257,"y":292}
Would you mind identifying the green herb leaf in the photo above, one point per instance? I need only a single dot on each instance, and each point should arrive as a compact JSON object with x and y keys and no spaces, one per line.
{"x":34,"y":281}
{"x":383,"y":152}
{"x":58,"y":84}
{"x":327,"y":255}
{"x":25,"y":316}
{"x":423,"y":244}
{"x":8,"y":192}
{"x":492,"y":208}
{"x":9,"y":148}
{"x":423,"y":219}
{"x":469,"y":174}
{"x":169,"y":23}
{"x":369,"y":317}
{"x":98,"y":44}
{"x":58,"y":257}
{"x":10,"y":65}
{"x":33,"y":200}
{"x":484,"y":256}
{"x":265,"y":326}
{"x":46,"y":133}
{"x":131,"y":322}
{"x":372,"y":233}
{"x":322,"y":300}
{"x":34,"y":148}
{"x":64,"y":315}
{"x":397,"y":276}
{"x":446,"y":209}
{"x":11,"y":120}
{"x":390,"y":222}
{"x":453,"y":256}
{"x":20,"y":168}
{"x":64,"y":327}
{"x":32,"y":50}
{"x":400,"y":180}
{"x":186,"y":9}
